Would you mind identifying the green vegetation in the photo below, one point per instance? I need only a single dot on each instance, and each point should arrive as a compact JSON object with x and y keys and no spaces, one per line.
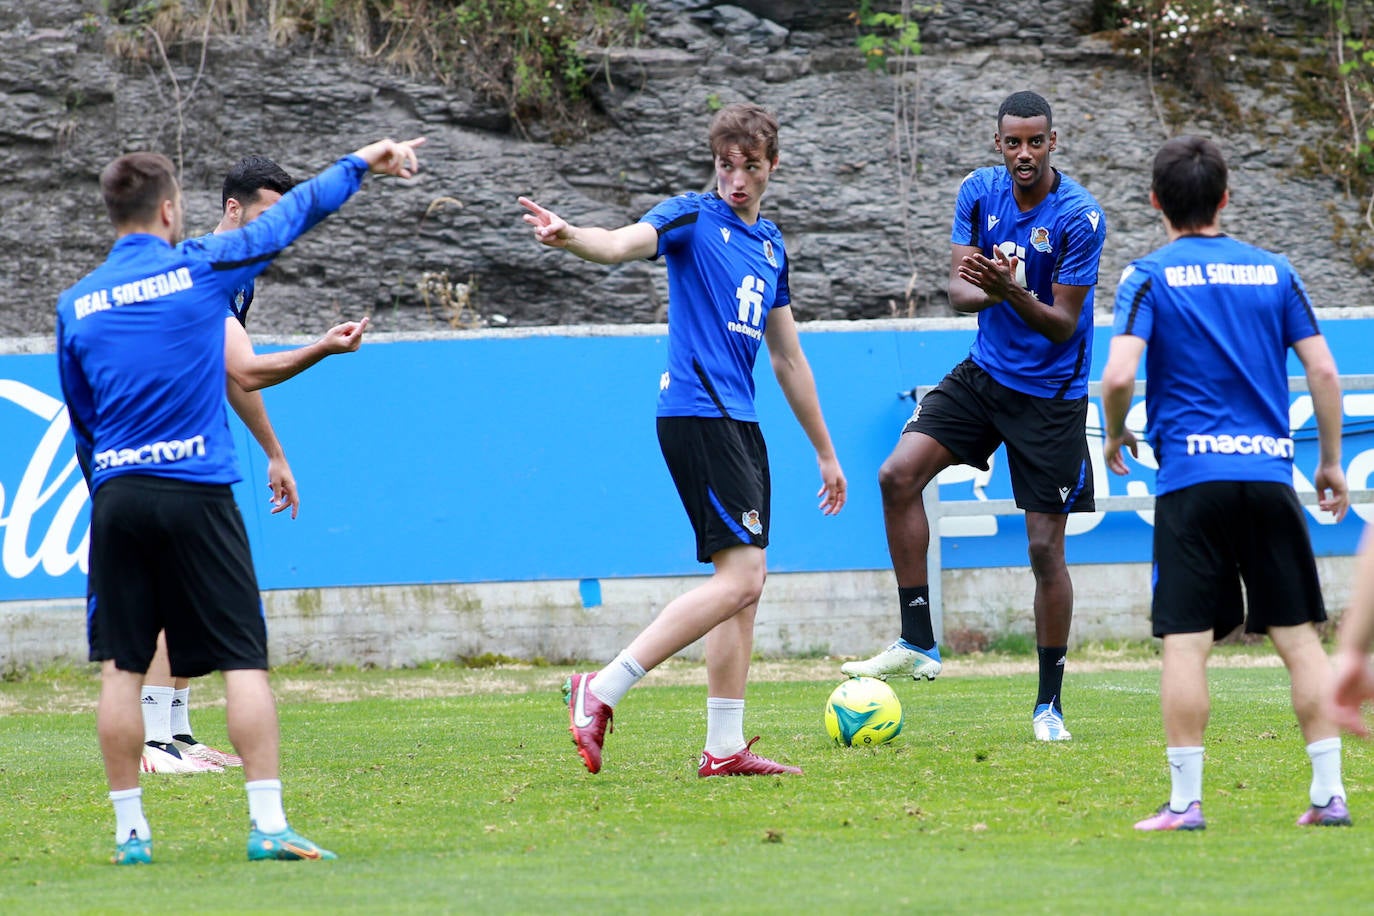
{"x":446,"y":790}
{"x":524,"y":56}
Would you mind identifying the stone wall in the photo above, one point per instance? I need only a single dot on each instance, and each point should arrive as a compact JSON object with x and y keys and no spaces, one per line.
{"x":67,"y":106}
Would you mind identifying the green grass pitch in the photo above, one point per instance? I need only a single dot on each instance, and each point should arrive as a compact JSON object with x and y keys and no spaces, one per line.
{"x":458,"y":790}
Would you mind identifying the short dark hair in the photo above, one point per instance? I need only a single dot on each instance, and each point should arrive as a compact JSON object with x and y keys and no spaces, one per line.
{"x":135,"y":185}
{"x":252,"y":175}
{"x":1025,"y":104}
{"x":1189,"y":181}
{"x":750,"y":127}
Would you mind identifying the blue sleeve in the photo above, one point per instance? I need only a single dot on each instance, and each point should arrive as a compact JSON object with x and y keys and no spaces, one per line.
{"x":1134,"y":310}
{"x":970,"y":190}
{"x":76,"y":392}
{"x":239,"y":255}
{"x":673,"y":220}
{"x":1299,"y":318}
{"x":1084,"y":234}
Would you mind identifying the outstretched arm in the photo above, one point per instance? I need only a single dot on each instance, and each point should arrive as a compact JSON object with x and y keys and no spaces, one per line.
{"x":252,"y":370}
{"x":390,"y":157}
{"x":799,"y":387}
{"x":603,"y":246}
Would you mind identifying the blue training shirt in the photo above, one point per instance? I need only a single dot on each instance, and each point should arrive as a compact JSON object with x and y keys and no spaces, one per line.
{"x":1217,"y":316}
{"x":140,"y":339}
{"x":1057,"y":241}
{"x":724,"y":277}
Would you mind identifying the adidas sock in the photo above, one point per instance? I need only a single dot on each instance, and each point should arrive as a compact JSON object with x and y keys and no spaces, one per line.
{"x":264,"y":805}
{"x":615,"y":680}
{"x":1051,"y":675}
{"x":157,"y":714}
{"x":917,"y":630}
{"x":1326,"y":771}
{"x":181,"y":713}
{"x":1185,"y":775}
{"x":724,"y":726}
{"x":128,"y":809}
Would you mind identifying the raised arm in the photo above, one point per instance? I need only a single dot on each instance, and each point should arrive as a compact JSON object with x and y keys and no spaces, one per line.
{"x":799,"y":387}
{"x":253,"y":370}
{"x":603,"y":246}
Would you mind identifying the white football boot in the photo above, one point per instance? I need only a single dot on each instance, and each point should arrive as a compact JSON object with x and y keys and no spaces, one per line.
{"x":896,"y":659}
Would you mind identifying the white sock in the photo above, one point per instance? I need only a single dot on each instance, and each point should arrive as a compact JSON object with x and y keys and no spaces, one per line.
{"x":1326,"y":771}
{"x":157,"y":714}
{"x":615,"y":680}
{"x":1185,"y":775}
{"x":724,"y":726}
{"x":181,"y":712}
{"x":128,"y":808}
{"x":264,"y":805}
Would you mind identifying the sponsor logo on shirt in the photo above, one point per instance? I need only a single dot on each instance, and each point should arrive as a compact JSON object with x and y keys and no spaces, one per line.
{"x":152,"y":453}
{"x":749,"y":295}
{"x":1239,"y":444}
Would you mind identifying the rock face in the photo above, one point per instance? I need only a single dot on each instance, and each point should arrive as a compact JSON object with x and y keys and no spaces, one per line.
{"x":67,"y":107}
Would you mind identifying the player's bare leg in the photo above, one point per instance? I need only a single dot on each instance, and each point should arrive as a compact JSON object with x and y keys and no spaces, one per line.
{"x":903,"y":477}
{"x":1310,"y":674}
{"x":1053,"y":604}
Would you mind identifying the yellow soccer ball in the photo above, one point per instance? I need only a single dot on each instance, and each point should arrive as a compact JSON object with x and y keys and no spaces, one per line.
{"x":863,"y":712}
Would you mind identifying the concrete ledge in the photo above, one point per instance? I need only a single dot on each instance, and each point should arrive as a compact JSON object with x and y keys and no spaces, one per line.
{"x":802,"y":614}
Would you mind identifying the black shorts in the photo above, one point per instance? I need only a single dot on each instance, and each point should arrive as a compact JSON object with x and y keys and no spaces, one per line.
{"x":172,"y":555}
{"x":1211,"y":537}
{"x":720,"y":467}
{"x":971,"y":413}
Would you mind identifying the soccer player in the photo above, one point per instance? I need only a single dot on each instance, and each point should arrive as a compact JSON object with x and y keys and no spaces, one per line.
{"x":1024,"y":256}
{"x":1354,"y":680}
{"x":1218,"y":317}
{"x":140,"y":353}
{"x":727,"y":292}
{"x":254,"y":184}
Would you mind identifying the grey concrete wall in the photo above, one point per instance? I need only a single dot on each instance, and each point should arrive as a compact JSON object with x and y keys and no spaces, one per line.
{"x":804,"y":614}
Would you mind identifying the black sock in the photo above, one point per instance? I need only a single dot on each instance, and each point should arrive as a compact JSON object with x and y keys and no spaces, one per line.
{"x":1051,"y":675}
{"x":916,"y":626}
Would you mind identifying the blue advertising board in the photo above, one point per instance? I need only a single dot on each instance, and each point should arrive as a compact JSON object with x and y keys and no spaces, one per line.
{"x":518,"y":457}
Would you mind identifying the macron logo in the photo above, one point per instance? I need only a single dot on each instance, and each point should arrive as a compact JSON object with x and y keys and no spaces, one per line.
{"x":725,"y":234}
{"x":1063,"y":494}
{"x":992,"y":222}
{"x":1094,"y":218}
